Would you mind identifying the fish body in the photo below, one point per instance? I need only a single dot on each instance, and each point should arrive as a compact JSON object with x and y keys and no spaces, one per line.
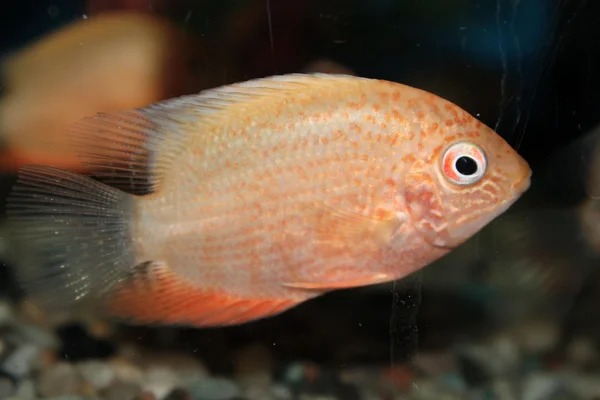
{"x":264,"y":194}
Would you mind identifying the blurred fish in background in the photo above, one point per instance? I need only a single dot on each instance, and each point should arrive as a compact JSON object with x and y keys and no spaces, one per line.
{"x":104,"y":63}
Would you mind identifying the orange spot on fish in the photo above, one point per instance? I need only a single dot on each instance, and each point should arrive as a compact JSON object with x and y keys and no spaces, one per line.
{"x":384,"y":97}
{"x":337,"y":134}
{"x":450,"y":139}
{"x":355,"y":127}
{"x":449,"y":122}
{"x":432,"y":128}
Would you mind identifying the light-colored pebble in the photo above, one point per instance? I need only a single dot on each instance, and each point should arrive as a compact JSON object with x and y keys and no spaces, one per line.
{"x":187,"y":368}
{"x":6,"y":313}
{"x":582,"y":350}
{"x":536,"y":336}
{"x":160,"y":381}
{"x":26,"y":390}
{"x":586,"y":386}
{"x":281,"y":392}
{"x":19,"y":362}
{"x":59,"y":379}
{"x":97,"y":373}
{"x":7,"y":387}
{"x":435,"y":363}
{"x":122,"y":391}
{"x":125,"y":371}
{"x":42,"y":338}
{"x":214,"y":389}
{"x":540,"y":386}
{"x":506,"y":351}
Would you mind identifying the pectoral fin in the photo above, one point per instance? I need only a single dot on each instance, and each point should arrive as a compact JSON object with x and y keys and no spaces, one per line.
{"x":341,"y":249}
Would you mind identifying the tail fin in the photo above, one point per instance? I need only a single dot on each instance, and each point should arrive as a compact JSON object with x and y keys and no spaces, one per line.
{"x":74,"y":232}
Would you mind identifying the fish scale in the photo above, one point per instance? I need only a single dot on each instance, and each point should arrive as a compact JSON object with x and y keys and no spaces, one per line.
{"x":268,"y":193}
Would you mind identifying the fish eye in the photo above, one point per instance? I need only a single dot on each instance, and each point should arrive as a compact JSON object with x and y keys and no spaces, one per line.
{"x":464,"y":163}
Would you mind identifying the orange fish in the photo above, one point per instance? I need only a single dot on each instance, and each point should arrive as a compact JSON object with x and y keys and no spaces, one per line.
{"x":110,"y":62}
{"x":265,"y":194}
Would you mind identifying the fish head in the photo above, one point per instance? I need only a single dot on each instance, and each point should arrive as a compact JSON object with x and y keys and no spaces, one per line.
{"x":470,"y":176}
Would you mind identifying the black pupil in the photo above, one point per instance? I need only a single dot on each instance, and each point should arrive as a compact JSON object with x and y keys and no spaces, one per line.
{"x":466,"y":165}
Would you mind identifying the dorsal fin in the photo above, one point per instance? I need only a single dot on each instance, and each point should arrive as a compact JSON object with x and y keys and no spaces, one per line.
{"x":132,"y":149}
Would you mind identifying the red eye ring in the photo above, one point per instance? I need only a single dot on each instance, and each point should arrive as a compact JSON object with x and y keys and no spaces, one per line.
{"x":464,"y":163}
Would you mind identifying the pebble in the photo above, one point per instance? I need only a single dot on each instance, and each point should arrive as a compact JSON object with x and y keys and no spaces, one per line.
{"x":281,"y":392}
{"x":187,"y":369}
{"x":536,"y":336}
{"x":540,"y":386}
{"x":7,"y":386}
{"x":26,"y":390}
{"x":428,"y":389}
{"x":257,"y":392}
{"x":434,"y":363}
{"x":58,"y":380}
{"x":125,"y":371}
{"x":373,"y":381}
{"x":122,"y":391}
{"x":146,"y":396}
{"x":6,"y":313}
{"x":586,"y":386}
{"x":581,"y":351}
{"x":506,"y":353}
{"x":41,"y":337}
{"x":99,"y":374}
{"x":214,"y":388}
{"x":160,"y":381}
{"x":19,"y":361}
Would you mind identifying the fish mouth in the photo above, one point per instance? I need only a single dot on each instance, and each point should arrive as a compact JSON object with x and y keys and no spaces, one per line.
{"x":522,"y":185}
{"x":516,"y":191}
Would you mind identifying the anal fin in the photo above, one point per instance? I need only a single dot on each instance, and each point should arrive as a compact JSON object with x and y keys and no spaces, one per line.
{"x":155,"y":295}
